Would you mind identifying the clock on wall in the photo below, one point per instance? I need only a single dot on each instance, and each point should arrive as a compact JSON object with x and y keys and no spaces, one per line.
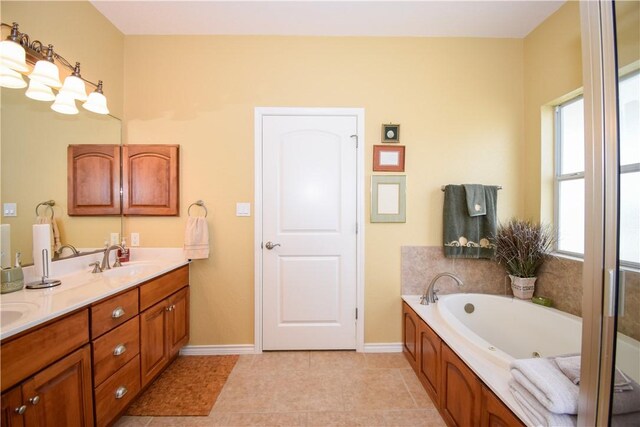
{"x":390,"y":133}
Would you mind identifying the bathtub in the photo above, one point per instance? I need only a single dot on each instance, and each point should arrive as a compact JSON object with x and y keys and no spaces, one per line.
{"x":508,"y":328}
{"x":499,"y":329}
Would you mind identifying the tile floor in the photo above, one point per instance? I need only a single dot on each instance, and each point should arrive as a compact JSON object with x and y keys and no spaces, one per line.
{"x":318,"y":388}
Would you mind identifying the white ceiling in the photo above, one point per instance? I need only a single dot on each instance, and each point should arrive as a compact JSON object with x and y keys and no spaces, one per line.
{"x":476,"y":18}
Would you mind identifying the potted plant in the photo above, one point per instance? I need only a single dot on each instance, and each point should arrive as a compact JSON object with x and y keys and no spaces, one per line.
{"x":522,"y":247}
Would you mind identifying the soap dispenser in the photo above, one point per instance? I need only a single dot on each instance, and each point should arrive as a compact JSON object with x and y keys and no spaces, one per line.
{"x":123,"y":254}
{"x":12,"y":278}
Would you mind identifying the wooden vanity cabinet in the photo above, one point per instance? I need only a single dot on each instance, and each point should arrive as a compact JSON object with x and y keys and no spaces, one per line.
{"x":150,"y":180}
{"x":93,"y":179}
{"x":164,"y":326}
{"x":11,"y":402}
{"x":59,"y":395}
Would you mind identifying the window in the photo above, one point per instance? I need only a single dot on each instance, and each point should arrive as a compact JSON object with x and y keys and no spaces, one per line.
{"x":569,"y":173}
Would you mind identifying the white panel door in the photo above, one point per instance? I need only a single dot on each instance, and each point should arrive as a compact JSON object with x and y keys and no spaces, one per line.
{"x":309,"y":232}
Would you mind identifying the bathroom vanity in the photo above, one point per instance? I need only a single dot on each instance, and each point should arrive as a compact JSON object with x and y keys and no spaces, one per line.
{"x":82,"y":354}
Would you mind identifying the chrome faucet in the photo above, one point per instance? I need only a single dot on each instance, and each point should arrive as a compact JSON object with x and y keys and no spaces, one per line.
{"x":67,"y":246}
{"x":105,"y":260}
{"x":430,"y":294}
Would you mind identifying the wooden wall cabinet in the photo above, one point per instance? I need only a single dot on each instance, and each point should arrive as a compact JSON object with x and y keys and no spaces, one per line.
{"x":150,"y":180}
{"x":460,"y":396}
{"x":93,"y":180}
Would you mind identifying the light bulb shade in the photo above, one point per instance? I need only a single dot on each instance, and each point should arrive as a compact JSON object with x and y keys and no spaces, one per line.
{"x":39,"y":92}
{"x":65,"y":104}
{"x":11,"y":79}
{"x":96,"y":103}
{"x":12,"y":55}
{"x":46,"y":73}
{"x":74,"y":86}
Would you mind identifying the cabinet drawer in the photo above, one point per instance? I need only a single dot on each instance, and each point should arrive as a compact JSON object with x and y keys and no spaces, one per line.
{"x":163,"y":286}
{"x":115,"y":311}
{"x":114,"y":349}
{"x":113,"y":395}
{"x":23,"y":356}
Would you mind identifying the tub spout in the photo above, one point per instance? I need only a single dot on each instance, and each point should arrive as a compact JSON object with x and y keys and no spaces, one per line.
{"x":430,"y":294}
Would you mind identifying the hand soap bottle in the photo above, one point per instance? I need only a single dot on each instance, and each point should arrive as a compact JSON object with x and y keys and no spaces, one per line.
{"x":123,"y":254}
{"x":12,"y":278}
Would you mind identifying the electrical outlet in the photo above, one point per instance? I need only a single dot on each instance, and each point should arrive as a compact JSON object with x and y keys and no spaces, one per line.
{"x":10,"y":209}
{"x":114,"y":239}
{"x":135,"y":239}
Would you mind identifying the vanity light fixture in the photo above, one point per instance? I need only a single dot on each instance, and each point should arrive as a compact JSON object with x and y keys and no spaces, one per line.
{"x":18,"y":50}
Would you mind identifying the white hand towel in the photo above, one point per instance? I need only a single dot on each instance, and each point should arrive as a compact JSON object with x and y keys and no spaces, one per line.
{"x":196,"y":238}
{"x":545,"y":381}
{"x":55,"y":232}
{"x":537,"y":413}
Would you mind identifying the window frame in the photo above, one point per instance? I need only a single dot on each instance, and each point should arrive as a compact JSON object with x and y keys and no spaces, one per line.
{"x":558,"y":178}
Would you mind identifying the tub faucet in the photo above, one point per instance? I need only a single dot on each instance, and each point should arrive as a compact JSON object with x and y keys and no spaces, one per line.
{"x":430,"y":294}
{"x":105,"y":260}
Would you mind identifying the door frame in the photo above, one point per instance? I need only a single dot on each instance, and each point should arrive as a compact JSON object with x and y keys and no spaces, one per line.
{"x":259,"y":114}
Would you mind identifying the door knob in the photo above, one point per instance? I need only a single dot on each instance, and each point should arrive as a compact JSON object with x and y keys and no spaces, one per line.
{"x":270,"y":245}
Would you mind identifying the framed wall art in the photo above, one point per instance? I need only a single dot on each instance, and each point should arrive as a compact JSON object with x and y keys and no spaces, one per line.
{"x":390,"y":133}
{"x":388,"y":198}
{"x":388,"y":158}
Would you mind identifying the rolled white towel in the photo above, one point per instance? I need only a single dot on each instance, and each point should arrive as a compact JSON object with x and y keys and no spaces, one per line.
{"x":537,"y":413}
{"x":545,"y":381}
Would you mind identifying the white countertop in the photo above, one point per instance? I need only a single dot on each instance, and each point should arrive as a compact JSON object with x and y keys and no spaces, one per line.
{"x":27,"y":308}
{"x":494,"y":375}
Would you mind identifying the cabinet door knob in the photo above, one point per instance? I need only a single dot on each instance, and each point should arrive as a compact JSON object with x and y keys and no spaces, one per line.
{"x":118,"y":312}
{"x":21,"y":409}
{"x":120,"y":348}
{"x":121,"y":391}
{"x":34,"y":400}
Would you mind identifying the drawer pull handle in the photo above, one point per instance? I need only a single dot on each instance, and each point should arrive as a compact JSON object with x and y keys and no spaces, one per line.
{"x":21,"y":409}
{"x":118,"y":312}
{"x":34,"y":400}
{"x":121,"y":391}
{"x":120,"y":348}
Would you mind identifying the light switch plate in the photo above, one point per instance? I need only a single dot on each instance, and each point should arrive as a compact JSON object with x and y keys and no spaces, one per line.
{"x":243,"y":209}
{"x":10,"y":209}
{"x":135,"y":239}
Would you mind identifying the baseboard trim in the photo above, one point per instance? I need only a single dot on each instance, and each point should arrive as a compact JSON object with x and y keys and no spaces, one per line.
{"x":383,"y":347}
{"x":215,"y":350}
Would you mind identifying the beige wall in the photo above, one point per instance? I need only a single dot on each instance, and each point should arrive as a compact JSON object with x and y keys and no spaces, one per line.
{"x":552,"y":70}
{"x":459,"y":101}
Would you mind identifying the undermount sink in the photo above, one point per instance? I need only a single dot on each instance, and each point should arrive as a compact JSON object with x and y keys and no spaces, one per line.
{"x":130,"y":269}
{"x":11,"y":312}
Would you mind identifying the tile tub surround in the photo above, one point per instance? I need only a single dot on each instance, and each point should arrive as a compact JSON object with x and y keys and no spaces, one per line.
{"x":318,"y":388}
{"x":559,"y":278}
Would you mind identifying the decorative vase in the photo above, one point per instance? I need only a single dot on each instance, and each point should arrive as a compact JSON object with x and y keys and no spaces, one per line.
{"x":523,"y":287}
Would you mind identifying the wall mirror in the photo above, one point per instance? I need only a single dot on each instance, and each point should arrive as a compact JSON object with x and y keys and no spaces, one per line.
{"x":33,"y":161}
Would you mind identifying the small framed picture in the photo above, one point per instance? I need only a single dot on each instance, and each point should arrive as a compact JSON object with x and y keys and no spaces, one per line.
{"x":390,"y":133}
{"x":388,"y":198}
{"x":388,"y":158}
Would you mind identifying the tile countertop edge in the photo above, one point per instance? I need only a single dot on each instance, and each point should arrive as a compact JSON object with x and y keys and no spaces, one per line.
{"x":96,"y":290}
{"x":494,"y":376}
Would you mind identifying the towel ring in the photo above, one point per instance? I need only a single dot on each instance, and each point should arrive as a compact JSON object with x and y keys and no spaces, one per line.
{"x":198,"y":203}
{"x":49,"y":204}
